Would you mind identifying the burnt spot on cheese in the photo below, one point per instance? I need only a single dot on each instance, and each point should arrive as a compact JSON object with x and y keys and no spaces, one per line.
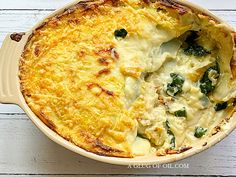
{"x":171,"y":151}
{"x":81,"y":53}
{"x":25,"y":47}
{"x":107,"y":55}
{"x":103,"y":71}
{"x":40,"y":26}
{"x":101,"y":89}
{"x":104,"y":147}
{"x":46,"y":120}
{"x":103,"y":61}
{"x":84,"y":5}
{"x":183,"y":149}
{"x":175,"y":6}
{"x":95,"y":85}
{"x":111,"y":51}
{"x":146,"y":1}
{"x":74,"y":21}
{"x":98,"y":147}
{"x":108,"y":92}
{"x":225,"y":33}
{"x":105,"y":50}
{"x":25,"y":91}
{"x":114,"y":54}
{"x":36,"y":51}
{"x":17,"y":36}
{"x":216,"y":130}
{"x":69,"y":10}
{"x":87,"y":5}
{"x":28,"y":94}
{"x":174,"y":151}
{"x":54,"y":22}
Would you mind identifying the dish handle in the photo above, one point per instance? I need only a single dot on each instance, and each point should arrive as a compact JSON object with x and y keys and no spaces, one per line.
{"x":10,"y":53}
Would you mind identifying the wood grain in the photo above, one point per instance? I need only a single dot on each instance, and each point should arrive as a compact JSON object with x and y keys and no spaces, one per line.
{"x":53,"y":4}
{"x":25,"y":151}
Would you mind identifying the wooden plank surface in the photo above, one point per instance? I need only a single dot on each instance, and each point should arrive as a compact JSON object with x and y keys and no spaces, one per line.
{"x":25,"y":151}
{"x":53,"y":4}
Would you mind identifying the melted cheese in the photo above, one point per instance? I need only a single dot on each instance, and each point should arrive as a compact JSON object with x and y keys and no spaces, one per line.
{"x":107,"y":95}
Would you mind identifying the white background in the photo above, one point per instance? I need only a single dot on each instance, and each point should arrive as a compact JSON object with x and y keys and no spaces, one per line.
{"x":25,"y":151}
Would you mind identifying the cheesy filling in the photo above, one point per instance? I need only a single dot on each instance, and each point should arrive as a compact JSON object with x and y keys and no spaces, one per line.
{"x":132,"y":79}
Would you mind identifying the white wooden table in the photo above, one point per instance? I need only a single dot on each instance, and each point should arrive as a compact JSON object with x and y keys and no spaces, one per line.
{"x":25,"y":151}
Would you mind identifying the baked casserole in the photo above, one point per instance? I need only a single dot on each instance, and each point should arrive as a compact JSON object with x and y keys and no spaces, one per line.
{"x":130,"y":78}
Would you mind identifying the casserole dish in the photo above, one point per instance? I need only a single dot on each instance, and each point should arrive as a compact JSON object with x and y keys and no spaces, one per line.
{"x":15,"y":90}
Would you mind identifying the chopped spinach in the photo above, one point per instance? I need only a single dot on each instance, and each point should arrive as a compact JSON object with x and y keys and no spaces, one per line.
{"x":142,"y":136}
{"x":199,"y":132}
{"x":221,"y":106}
{"x":172,"y":138}
{"x":120,"y":33}
{"x":176,"y":85}
{"x":167,"y":124}
{"x":170,"y":134}
{"x":177,"y":79}
{"x":172,"y":90}
{"x":206,"y":87}
{"x":193,"y":48}
{"x":196,"y":50}
{"x":181,"y":113}
{"x":209,"y":79}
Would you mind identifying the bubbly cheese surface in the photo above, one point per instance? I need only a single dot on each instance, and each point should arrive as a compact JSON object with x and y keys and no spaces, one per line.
{"x":129,"y":78}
